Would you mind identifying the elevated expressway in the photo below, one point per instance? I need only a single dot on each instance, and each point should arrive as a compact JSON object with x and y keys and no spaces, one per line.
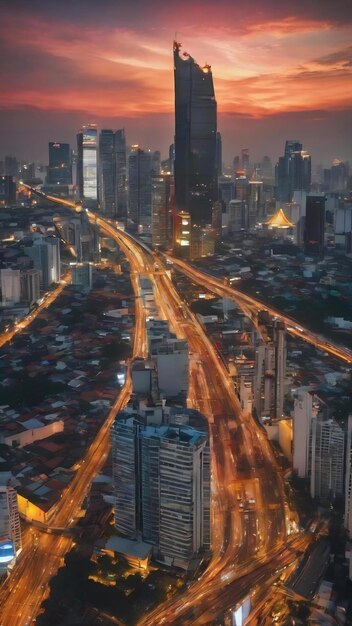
{"x":251,"y":306}
{"x":248,"y":543}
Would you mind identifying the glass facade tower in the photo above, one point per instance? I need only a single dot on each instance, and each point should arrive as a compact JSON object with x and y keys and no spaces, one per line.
{"x":87,"y":164}
{"x":195,"y":139}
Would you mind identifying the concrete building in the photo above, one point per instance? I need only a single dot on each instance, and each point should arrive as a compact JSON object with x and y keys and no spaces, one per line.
{"x":171,"y":357}
{"x":161,"y":479}
{"x":270,"y":370}
{"x":10,"y":284}
{"x":326,"y":466}
{"x":30,"y":285}
{"x":125,"y":468}
{"x":82,"y":275}
{"x":305,"y":407}
{"x":45,"y":254}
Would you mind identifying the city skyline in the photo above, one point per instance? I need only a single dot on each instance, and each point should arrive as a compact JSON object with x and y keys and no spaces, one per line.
{"x":70,"y":65}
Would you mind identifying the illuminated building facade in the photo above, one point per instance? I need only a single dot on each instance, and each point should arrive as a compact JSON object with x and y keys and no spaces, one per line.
{"x":162,"y":199}
{"x":182,"y":234}
{"x":10,"y":527}
{"x":195,"y":139}
{"x":87,"y":164}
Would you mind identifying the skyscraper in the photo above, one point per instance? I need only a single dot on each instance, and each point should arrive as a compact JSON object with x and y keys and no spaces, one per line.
{"x":195,"y":139}
{"x":112,"y":172}
{"x":87,"y":164}
{"x":162,"y":198}
{"x":293,"y":171}
{"x":107,"y":172}
{"x":161,"y":482}
{"x":139,"y":187}
{"x":121,"y":173}
{"x":326,"y":467}
{"x":270,"y":370}
{"x":314,"y":229}
{"x":60,"y":164}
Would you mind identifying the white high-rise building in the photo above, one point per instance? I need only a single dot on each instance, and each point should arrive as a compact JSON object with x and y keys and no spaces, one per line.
{"x":161,"y":478}
{"x":10,"y":527}
{"x":10,"y":283}
{"x":348,"y":479}
{"x":172,"y":360}
{"x":302,"y":419}
{"x":327,"y":459}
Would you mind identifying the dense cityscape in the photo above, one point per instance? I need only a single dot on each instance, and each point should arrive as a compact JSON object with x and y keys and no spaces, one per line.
{"x":175,"y":358}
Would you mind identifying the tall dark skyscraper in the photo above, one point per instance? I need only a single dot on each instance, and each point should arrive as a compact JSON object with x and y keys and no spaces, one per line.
{"x":195,"y":139}
{"x":293,"y":171}
{"x":314,"y":226}
{"x":121,"y":173}
{"x":140,"y":187}
{"x":60,"y":164}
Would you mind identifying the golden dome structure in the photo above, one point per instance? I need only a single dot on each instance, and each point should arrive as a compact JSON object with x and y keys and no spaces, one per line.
{"x":279,"y":220}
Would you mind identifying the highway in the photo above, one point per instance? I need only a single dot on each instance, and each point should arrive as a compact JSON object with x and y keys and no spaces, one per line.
{"x":48,"y":300}
{"x":249,"y":304}
{"x":250,"y":516}
{"x":23,"y":592}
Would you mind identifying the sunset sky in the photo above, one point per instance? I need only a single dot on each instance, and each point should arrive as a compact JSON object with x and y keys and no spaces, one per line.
{"x":282,"y":69}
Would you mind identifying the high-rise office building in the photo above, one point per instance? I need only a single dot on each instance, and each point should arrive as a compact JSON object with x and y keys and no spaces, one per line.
{"x":348,"y":479}
{"x":305,"y":407}
{"x":112,"y":173}
{"x":161,"y":481}
{"x":314,"y":227}
{"x":121,"y":173}
{"x":45,"y":254}
{"x":293,"y":171}
{"x":162,"y":201}
{"x":254,"y":199}
{"x":195,"y":139}
{"x":326,"y":459}
{"x":139,"y":188}
{"x":270,"y":370}
{"x":226,"y":191}
{"x":87,"y":164}
{"x":107,"y":172}
{"x":60,"y":164}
